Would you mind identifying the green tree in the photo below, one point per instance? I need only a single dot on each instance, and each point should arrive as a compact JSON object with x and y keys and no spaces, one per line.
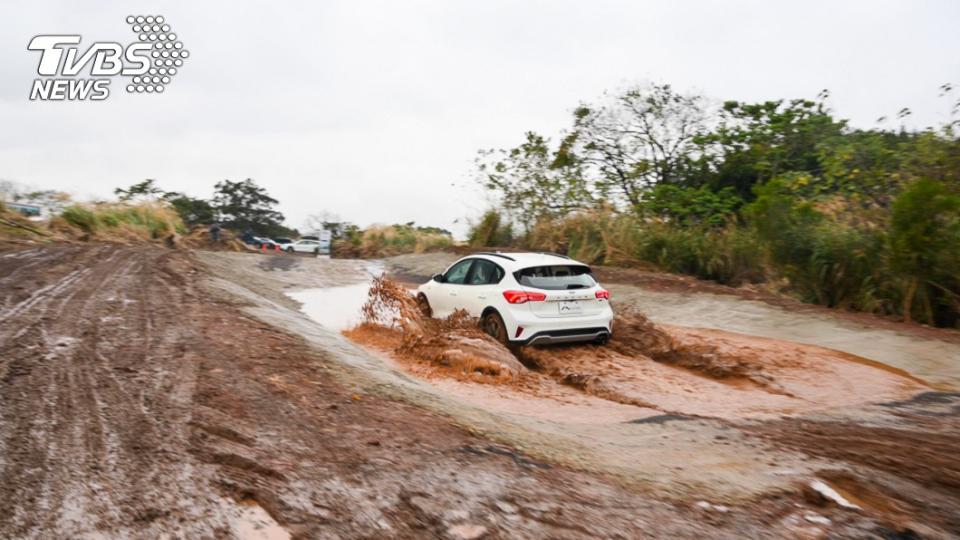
{"x":925,"y":247}
{"x":192,"y":211}
{"x":147,"y":189}
{"x":534,"y":182}
{"x":689,"y":206}
{"x":644,"y":137}
{"x":755,"y":143}
{"x":245,"y":205}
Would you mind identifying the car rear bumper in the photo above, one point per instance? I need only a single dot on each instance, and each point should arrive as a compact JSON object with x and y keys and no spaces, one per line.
{"x":575,"y":335}
{"x":543,"y":331}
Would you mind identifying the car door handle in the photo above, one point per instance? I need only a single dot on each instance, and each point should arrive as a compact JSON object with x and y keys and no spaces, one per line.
{"x":482,"y":296}
{"x":452,"y":293}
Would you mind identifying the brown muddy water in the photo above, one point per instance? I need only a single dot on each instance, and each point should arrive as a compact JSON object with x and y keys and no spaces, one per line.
{"x":714,"y":416}
{"x":337,"y":308}
{"x":647,"y":370}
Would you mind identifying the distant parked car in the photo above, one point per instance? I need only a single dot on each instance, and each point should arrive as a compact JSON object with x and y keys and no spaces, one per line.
{"x":284,"y":242}
{"x":308,"y":246}
{"x":260,"y":241}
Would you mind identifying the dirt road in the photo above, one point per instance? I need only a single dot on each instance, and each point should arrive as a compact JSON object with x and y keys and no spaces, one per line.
{"x":135,"y":403}
{"x":141,"y":397}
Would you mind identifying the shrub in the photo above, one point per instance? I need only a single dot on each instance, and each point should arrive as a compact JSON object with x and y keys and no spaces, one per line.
{"x":691,"y":206}
{"x":491,"y":231}
{"x":729,"y":255}
{"x":111,"y":221}
{"x":387,"y":240}
{"x":81,"y":217}
{"x":924,"y":243}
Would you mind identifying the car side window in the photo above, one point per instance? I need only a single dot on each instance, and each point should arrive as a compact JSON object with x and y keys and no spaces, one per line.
{"x":457,"y":275}
{"x":484,"y":272}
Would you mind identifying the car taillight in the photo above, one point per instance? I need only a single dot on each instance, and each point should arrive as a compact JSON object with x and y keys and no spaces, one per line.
{"x":520,"y":297}
{"x":603,"y":294}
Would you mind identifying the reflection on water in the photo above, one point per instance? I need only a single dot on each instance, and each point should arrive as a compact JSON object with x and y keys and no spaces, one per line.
{"x":336,"y":308}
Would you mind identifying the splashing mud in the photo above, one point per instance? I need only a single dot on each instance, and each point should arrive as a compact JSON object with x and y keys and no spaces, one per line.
{"x":455,"y":342}
{"x":687,"y":371}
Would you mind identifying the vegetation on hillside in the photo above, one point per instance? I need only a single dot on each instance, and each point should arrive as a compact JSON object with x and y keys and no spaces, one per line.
{"x":238,"y":206}
{"x":781,"y":192}
{"x":387,"y":240}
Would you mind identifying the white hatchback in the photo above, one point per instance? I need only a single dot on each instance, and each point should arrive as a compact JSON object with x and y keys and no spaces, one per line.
{"x":523,"y":298}
{"x":316,"y":247}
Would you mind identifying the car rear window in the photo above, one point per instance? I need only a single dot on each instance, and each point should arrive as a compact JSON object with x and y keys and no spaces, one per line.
{"x":556,"y":277}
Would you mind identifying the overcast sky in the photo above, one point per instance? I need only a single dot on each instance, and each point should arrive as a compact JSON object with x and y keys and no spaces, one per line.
{"x":375,"y":110}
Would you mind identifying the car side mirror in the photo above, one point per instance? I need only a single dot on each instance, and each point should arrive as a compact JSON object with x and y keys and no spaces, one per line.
{"x":438,"y":278}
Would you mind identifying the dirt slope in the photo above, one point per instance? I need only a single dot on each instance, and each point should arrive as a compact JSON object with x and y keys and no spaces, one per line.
{"x":137,"y":401}
{"x":134,"y":403}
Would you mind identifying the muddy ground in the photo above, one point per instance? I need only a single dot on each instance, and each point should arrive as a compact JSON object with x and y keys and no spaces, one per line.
{"x":148,"y":392}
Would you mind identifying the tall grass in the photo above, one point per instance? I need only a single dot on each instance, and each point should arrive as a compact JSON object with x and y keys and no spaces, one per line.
{"x":809,"y":255}
{"x":388,"y":240}
{"x":730,"y":255}
{"x":605,"y":237}
{"x":491,"y":231}
{"x":107,"y":221}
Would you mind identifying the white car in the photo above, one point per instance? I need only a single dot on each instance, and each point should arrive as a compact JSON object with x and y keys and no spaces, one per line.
{"x":308,"y":246}
{"x":523,"y":298}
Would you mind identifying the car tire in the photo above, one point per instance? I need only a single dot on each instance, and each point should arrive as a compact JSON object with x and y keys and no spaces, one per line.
{"x":423,"y":304}
{"x":316,"y":252}
{"x":492,"y":325}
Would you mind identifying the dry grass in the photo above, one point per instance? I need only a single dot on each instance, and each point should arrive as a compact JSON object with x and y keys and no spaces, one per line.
{"x":112,"y":222}
{"x":388,"y":240}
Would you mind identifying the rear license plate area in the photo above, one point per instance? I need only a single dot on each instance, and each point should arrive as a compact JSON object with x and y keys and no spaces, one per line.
{"x":569,"y":308}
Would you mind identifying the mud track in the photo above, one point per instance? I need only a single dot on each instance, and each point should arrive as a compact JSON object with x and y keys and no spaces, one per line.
{"x":135,"y":403}
{"x":137,"y":400}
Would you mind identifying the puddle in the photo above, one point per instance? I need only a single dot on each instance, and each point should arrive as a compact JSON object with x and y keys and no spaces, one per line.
{"x":656,"y":369}
{"x":252,"y":522}
{"x":337,"y":308}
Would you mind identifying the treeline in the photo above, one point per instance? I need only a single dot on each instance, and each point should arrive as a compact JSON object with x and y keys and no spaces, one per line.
{"x":781,"y":192}
{"x":237,"y":205}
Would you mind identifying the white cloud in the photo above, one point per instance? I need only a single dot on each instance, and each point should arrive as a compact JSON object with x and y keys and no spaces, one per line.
{"x":374,"y":110}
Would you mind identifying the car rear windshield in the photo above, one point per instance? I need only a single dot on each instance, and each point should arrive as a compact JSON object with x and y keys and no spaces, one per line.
{"x":556,"y":277}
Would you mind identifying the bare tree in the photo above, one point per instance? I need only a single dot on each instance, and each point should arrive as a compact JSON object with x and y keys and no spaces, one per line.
{"x":641,"y":138}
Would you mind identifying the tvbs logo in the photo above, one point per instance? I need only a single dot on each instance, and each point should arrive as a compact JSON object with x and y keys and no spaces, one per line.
{"x":148,"y":65}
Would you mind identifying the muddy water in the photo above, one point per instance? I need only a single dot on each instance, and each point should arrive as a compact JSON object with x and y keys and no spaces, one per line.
{"x":670,"y":370}
{"x":651,"y":421}
{"x":934,"y":361}
{"x":337,"y":308}
{"x":673,"y":460}
{"x":646,"y":370}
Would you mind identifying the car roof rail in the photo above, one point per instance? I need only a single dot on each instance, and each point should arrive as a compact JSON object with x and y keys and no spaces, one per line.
{"x":501,"y":255}
{"x":554,"y":255}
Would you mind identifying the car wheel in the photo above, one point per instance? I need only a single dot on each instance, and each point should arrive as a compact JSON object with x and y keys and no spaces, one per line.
{"x":492,"y":325}
{"x":423,"y":304}
{"x":316,"y":252}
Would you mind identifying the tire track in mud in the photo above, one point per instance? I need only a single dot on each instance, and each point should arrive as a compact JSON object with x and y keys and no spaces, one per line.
{"x":133,"y":404}
{"x":136,"y":401}
{"x":80,"y":427}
